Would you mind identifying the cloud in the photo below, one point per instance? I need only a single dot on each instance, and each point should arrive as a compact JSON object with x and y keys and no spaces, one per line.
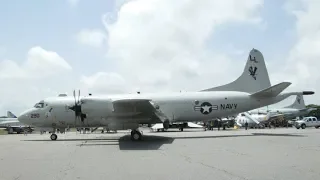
{"x":43,"y":73}
{"x":161,"y":45}
{"x":104,"y":83}
{"x":40,"y":63}
{"x":302,"y":60}
{"x":92,"y":37}
{"x":73,"y":3}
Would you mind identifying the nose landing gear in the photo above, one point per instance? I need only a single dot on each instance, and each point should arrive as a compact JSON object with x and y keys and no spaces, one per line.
{"x":53,"y":137}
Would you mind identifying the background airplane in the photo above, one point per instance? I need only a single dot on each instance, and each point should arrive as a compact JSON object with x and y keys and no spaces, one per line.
{"x":128,"y":111}
{"x":297,"y":109}
{"x":256,"y":117}
{"x":11,"y":124}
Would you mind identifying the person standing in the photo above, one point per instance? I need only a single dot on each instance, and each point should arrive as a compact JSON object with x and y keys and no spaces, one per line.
{"x":246,"y":125}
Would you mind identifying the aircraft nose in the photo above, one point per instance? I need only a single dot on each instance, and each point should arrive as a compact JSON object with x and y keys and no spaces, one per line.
{"x":24,"y":117}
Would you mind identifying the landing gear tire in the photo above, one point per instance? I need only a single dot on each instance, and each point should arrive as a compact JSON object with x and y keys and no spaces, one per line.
{"x":53,"y":137}
{"x":135,"y":135}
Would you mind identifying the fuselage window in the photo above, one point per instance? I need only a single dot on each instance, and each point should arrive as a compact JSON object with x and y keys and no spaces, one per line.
{"x":39,"y":105}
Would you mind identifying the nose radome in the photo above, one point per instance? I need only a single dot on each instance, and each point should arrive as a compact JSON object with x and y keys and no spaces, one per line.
{"x":24,"y":117}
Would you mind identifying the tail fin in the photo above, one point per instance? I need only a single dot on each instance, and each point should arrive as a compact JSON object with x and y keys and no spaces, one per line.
{"x":298,"y":103}
{"x":11,"y":115}
{"x":254,"y":78}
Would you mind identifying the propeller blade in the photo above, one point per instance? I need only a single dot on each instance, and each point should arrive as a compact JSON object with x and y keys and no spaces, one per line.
{"x":74,"y":95}
{"x":79,"y":96}
{"x":75,"y":121}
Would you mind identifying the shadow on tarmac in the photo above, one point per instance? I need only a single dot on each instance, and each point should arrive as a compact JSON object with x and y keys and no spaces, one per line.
{"x":150,"y":142}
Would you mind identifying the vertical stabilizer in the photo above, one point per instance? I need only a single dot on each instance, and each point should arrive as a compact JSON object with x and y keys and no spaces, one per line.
{"x":10,"y":115}
{"x":298,"y":103}
{"x":254,"y":77}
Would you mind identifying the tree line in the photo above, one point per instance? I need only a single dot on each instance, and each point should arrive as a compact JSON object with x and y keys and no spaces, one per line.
{"x":316,"y":112}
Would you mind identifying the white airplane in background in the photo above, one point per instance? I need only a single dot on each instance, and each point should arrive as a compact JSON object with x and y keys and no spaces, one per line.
{"x":120,"y":112}
{"x":11,"y":123}
{"x":256,"y":117}
{"x":298,"y":108}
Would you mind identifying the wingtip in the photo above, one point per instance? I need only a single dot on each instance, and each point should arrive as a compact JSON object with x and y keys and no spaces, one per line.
{"x":286,"y":83}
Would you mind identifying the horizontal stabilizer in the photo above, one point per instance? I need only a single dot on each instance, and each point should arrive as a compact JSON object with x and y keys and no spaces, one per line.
{"x":271,"y":91}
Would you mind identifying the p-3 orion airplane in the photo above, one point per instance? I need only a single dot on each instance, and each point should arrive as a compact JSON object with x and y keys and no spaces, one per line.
{"x":120,"y":112}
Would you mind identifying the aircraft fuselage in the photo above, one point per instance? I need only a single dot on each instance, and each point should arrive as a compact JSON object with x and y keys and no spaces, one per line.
{"x":178,"y":107}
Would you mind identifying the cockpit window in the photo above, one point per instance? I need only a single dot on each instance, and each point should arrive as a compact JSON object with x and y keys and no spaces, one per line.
{"x":39,"y":104}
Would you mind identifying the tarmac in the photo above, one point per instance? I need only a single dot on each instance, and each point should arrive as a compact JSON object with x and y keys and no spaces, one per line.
{"x":259,"y":154}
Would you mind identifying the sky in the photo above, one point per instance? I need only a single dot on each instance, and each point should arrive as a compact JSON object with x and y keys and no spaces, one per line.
{"x":122,"y":46}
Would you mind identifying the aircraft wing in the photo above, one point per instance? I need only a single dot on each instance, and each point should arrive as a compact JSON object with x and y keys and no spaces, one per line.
{"x":132,"y":107}
{"x":250,"y":117}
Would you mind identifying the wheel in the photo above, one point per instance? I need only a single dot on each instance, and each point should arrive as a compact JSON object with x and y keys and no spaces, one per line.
{"x":303,"y":126}
{"x":53,"y":137}
{"x":297,"y":127}
{"x":181,"y":129}
{"x":317,"y":127}
{"x":135,"y":135}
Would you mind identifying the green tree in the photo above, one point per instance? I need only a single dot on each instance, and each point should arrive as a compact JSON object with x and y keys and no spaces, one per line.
{"x":316,"y":112}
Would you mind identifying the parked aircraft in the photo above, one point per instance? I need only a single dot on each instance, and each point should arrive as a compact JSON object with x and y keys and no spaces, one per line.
{"x":250,"y":91}
{"x":297,"y":109}
{"x":11,"y":123}
{"x":256,"y":117}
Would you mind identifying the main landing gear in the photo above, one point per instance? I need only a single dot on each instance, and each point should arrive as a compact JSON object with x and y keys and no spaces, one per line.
{"x":136,"y":135}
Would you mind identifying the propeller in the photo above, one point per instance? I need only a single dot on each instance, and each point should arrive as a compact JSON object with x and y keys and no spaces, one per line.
{"x":77,"y":108}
